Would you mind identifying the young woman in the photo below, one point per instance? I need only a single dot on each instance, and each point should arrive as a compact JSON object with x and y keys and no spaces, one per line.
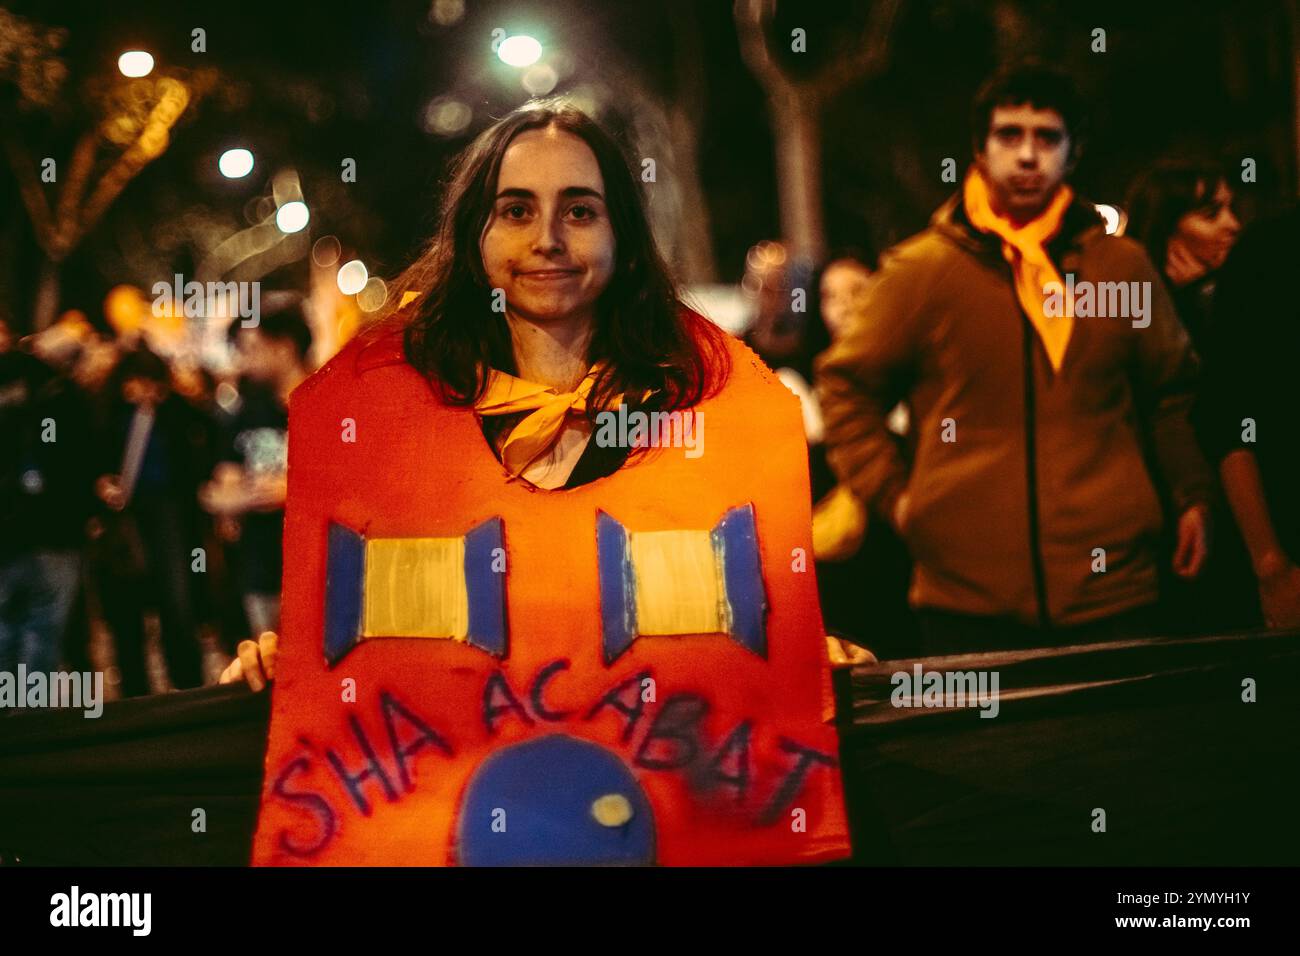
{"x":539,"y":318}
{"x":1181,"y":210}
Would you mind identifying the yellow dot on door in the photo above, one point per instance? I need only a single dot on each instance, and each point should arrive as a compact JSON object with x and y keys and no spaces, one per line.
{"x":611,"y":810}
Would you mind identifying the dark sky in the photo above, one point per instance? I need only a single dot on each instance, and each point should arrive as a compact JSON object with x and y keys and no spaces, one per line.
{"x":306,"y":84}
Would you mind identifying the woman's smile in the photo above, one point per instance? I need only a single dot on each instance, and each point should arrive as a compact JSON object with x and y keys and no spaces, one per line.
{"x":548,"y":275}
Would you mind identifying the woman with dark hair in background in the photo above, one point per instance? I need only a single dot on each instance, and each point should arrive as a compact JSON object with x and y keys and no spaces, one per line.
{"x":1181,"y":211}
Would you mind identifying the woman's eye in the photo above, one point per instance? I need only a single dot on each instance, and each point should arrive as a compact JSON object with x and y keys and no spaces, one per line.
{"x":582,"y":212}
{"x":516,"y":211}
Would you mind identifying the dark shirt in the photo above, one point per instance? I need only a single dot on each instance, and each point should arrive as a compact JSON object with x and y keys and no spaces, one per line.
{"x":177,"y":458}
{"x":1250,"y":366}
{"x":259,"y":443}
{"x":1194,"y":303}
{"x":46,"y":474}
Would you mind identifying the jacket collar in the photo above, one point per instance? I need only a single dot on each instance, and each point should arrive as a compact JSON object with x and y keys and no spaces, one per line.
{"x":951,"y":220}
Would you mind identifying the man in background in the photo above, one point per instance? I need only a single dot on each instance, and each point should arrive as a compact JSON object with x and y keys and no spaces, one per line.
{"x":1030,"y":511}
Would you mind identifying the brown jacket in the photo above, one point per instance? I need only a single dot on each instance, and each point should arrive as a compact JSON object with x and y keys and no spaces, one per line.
{"x":1039,"y":469}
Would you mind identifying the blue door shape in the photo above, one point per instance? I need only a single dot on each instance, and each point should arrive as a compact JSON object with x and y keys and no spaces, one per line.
{"x":555,"y":801}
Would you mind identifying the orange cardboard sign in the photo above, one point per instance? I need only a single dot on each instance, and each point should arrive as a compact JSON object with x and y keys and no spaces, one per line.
{"x":476,"y":671}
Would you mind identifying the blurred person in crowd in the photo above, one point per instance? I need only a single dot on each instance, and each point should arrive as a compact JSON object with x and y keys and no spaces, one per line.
{"x":247,"y":489}
{"x":842,"y":289}
{"x":99,"y":356}
{"x":786,"y":332}
{"x":1181,"y":211}
{"x":1030,"y":511}
{"x":73,"y":347}
{"x":156,"y":451}
{"x":217,"y":595}
{"x":1247,"y":409}
{"x":837,"y":292}
{"x":862,"y":567}
{"x":45,"y":500}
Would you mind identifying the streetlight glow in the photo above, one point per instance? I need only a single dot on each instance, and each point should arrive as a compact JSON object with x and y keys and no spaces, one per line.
{"x":235,"y":163}
{"x":519,"y":50}
{"x":135,"y":63}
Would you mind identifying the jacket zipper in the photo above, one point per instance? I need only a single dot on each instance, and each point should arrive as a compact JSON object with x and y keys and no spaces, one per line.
{"x":1031,"y":472}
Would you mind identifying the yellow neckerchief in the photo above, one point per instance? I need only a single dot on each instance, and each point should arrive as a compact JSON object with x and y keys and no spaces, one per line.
{"x":1023,"y":248}
{"x":537,"y":433}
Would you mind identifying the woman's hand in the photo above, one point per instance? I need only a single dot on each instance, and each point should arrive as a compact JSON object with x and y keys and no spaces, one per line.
{"x":1181,"y":265}
{"x":254,"y":662}
{"x":846,"y":653}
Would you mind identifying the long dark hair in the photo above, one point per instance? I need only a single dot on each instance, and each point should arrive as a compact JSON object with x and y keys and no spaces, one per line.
{"x":648,"y":342}
{"x":1164,"y":194}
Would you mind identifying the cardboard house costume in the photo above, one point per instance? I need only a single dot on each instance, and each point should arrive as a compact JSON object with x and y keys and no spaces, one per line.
{"x":476,"y":671}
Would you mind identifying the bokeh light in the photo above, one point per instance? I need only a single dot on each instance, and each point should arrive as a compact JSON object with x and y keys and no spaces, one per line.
{"x":292,"y":217}
{"x":447,"y":12}
{"x":447,"y":116}
{"x":353,"y":277}
{"x":519,"y":50}
{"x":371,"y":297}
{"x":235,"y":163}
{"x":135,"y":63}
{"x":1114,"y":218}
{"x":540,"y":79}
{"x":326,"y":251}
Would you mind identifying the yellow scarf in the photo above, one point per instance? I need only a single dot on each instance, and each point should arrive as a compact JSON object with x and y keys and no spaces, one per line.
{"x":1022,"y":247}
{"x":536,"y":434}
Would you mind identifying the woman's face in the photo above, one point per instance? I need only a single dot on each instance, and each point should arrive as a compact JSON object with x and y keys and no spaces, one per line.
{"x":1210,"y":230}
{"x":549,"y":242}
{"x":844,"y":286}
